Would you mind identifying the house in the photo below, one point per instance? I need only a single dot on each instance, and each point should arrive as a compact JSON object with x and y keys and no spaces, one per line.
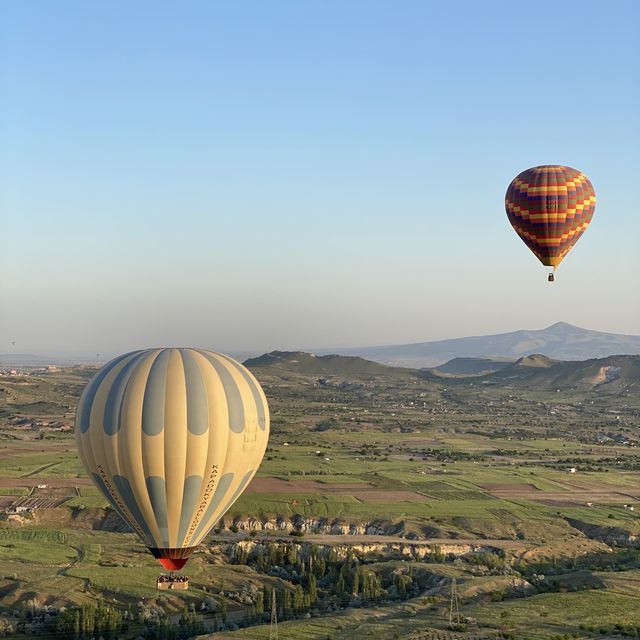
{"x":18,"y":509}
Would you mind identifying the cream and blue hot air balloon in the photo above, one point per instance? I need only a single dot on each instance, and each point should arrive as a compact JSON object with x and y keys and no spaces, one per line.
{"x":172,"y":437}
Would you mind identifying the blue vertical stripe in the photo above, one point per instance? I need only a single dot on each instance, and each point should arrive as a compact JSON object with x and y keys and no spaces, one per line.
{"x":192,"y":488}
{"x":260,"y":409}
{"x":154,"y":395}
{"x":238,"y":491}
{"x":219,"y":495}
{"x":86,"y":401}
{"x":103,"y":487}
{"x":234,"y":399}
{"x":111,"y":422}
{"x":197,"y":405}
{"x":158,"y":497}
{"x":126,"y":493}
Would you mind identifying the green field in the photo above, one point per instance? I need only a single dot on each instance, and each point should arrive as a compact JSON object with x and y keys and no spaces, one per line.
{"x":410,"y":459}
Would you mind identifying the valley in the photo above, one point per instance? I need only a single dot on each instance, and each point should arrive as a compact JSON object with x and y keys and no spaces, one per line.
{"x":521,"y":483}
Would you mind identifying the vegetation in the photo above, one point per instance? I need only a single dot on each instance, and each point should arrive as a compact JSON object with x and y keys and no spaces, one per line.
{"x":379,"y":487}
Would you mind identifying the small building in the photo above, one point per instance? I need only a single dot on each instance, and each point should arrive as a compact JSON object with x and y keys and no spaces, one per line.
{"x":18,"y":509}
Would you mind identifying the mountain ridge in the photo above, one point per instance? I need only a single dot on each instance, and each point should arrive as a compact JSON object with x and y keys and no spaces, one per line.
{"x":559,"y":341}
{"x":612,"y":374}
{"x":616,"y":373}
{"x":308,"y":362}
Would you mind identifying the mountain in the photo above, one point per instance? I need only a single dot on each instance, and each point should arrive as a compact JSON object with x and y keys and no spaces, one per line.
{"x":618,"y":375}
{"x":613,"y":374}
{"x":303,"y":362}
{"x":561,"y":341}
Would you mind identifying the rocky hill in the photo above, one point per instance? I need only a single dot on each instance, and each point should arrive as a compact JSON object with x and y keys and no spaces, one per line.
{"x":613,"y":374}
{"x":302,"y":362}
{"x":472,"y":366}
{"x":616,"y":374}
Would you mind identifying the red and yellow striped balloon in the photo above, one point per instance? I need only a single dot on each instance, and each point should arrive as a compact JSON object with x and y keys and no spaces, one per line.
{"x":550,"y":206}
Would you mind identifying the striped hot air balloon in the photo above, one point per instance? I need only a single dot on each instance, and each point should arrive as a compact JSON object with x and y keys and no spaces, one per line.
{"x":550,"y":206}
{"x":172,"y":437}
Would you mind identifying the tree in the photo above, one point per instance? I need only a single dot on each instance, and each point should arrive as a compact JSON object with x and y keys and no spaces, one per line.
{"x":223,"y":610}
{"x":298,"y":598}
{"x":260,"y":604}
{"x":313,"y":589}
{"x":286,"y":602}
{"x":356,"y":583}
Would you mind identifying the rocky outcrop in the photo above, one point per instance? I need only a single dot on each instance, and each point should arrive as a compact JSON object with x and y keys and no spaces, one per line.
{"x":74,"y":517}
{"x":328,"y":526}
{"x":613,"y":536}
{"x":383,"y":550}
{"x":606,"y":375}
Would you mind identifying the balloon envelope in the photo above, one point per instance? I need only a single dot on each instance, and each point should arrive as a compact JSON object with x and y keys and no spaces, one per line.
{"x":550,"y":206}
{"x":172,"y":437}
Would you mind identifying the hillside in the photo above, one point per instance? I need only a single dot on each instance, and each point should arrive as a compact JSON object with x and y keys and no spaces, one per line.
{"x":398,"y":467}
{"x":472,"y":366}
{"x":614,"y":374}
{"x":302,"y":362}
{"x":536,"y":360}
{"x":561,"y":341}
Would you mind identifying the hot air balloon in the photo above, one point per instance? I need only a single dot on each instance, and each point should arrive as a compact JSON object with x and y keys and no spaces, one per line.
{"x":172,"y":437}
{"x":550,"y":206}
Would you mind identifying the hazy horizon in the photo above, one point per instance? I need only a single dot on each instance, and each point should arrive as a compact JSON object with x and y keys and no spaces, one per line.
{"x":247,"y":178}
{"x":92,"y":356}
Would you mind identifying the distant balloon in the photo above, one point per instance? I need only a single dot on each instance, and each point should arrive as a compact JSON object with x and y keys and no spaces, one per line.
{"x":13,"y":343}
{"x":172,"y":437}
{"x":550,"y":206}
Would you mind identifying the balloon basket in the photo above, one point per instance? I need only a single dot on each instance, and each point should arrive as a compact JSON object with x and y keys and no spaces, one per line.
{"x":551,"y":277}
{"x":173,"y":582}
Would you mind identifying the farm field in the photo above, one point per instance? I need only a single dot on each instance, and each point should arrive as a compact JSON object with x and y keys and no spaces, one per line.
{"x":528,"y":497}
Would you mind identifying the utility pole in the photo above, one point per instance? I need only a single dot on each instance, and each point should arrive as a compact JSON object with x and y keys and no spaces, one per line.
{"x":454,"y":612}
{"x":273,"y":630}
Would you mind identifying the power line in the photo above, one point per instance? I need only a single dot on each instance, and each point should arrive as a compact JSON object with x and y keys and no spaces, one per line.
{"x":454,"y":611}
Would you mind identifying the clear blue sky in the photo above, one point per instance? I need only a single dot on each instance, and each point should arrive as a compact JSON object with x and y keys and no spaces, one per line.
{"x":255,"y":175}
